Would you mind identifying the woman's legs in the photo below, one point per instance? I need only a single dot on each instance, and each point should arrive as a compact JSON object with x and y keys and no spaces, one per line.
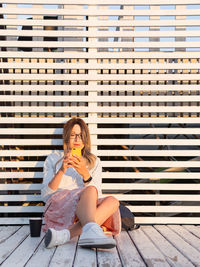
{"x":88,"y":211}
{"x":87,"y":205}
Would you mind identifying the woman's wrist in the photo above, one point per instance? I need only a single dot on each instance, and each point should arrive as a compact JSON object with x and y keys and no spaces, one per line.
{"x":88,"y":180}
{"x":60,"y":171}
{"x":86,"y":176}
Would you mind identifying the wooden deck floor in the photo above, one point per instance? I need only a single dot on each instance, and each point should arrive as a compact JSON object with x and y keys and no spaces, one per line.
{"x":157,"y":245}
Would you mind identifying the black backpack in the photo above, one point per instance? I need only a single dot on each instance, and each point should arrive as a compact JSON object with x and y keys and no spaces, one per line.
{"x":127,"y":218}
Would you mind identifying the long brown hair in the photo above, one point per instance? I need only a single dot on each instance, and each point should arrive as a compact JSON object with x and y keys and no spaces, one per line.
{"x":85,"y":135}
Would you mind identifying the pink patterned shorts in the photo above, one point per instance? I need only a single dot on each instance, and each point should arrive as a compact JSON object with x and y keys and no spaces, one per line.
{"x":62,"y":208}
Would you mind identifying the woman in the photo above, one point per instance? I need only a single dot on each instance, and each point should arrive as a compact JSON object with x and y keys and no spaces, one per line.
{"x":72,"y":191}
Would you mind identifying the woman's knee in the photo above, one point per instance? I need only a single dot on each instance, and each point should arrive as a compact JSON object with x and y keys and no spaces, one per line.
{"x":90,"y":190}
{"x":114,"y":201}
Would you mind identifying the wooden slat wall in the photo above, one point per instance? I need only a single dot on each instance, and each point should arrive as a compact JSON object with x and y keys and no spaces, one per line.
{"x":131,"y":70}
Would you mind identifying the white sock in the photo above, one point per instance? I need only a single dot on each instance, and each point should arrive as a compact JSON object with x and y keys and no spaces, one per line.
{"x":67,"y":232}
{"x":88,"y":225}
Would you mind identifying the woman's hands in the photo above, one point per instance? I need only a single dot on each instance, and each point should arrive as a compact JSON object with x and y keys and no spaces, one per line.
{"x":67,"y":162}
{"x":79,"y":165}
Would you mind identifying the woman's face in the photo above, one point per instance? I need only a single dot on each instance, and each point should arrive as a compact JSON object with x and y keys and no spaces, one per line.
{"x":75,"y":137}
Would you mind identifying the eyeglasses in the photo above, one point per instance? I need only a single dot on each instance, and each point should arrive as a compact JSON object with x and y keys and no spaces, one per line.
{"x":75,"y":136}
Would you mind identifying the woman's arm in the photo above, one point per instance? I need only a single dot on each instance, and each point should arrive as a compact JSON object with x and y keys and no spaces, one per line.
{"x":51,"y":180}
{"x":54,"y":183}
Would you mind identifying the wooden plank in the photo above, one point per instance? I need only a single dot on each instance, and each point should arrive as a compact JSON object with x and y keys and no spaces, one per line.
{"x":96,"y":44}
{"x":166,"y":220}
{"x":193,"y":229}
{"x":133,"y":141}
{"x":186,"y":235}
{"x":111,"y":55}
{"x":14,"y":221}
{"x":128,"y":252}
{"x":136,"y":209}
{"x":108,"y":257}
{"x":85,"y":257}
{"x":97,"y":23}
{"x":97,"y":66}
{"x":39,"y":164}
{"x":150,"y":186}
{"x":20,"y":198}
{"x":97,"y":77}
{"x":150,"y":175}
{"x":136,"y":152}
{"x":149,"y":252}
{"x":173,"y":256}
{"x":185,"y":248}
{"x":85,"y":88}
{"x":27,"y":209}
{"x":107,"y":99}
{"x":41,"y":256}
{"x":99,"y":34}
{"x":23,"y":252}
{"x":106,"y":2}
{"x":7,"y":247}
{"x":106,"y":131}
{"x":64,"y":255}
{"x":110,"y":120}
{"x":114,"y":175}
{"x":100,"y":12}
{"x":84,"y":109}
{"x":7,"y":231}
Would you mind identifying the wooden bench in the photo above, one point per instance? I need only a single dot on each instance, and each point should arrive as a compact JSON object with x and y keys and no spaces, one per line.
{"x":140,"y":99}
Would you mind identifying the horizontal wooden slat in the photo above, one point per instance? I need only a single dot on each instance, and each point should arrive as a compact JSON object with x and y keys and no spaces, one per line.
{"x":167,"y":174}
{"x":20,"y":186}
{"x":149,"y":186}
{"x":28,"y":209}
{"x":158,"y":197}
{"x":131,"y":55}
{"x":96,"y":44}
{"x":25,"y":164}
{"x":125,"y":197}
{"x":5,"y":198}
{"x":102,"y":131}
{"x":106,"y":99}
{"x":100,"y":23}
{"x":99,"y":34}
{"x":95,"y":66}
{"x":113,"y":88}
{"x":137,"y":152}
{"x":100,"y":12}
{"x":138,"y":220}
{"x":142,"y":142}
{"x":104,"y":2}
{"x":100,"y":77}
{"x":109,"y":120}
{"x":153,"y":175}
{"x":166,"y":220}
{"x":166,"y":209}
{"x":21,"y":174}
{"x":135,"y":209}
{"x":99,"y":109}
{"x":114,"y":187}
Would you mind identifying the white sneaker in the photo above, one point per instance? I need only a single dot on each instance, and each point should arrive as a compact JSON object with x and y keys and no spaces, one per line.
{"x":55,"y":238}
{"x":95,"y":238}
